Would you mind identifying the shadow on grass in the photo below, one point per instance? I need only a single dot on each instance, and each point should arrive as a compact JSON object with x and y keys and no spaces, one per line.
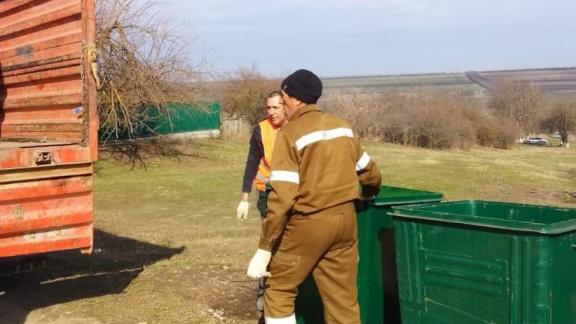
{"x":69,"y":276}
{"x":136,"y":152}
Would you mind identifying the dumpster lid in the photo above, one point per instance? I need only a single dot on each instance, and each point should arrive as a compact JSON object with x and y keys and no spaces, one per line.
{"x":512,"y":216}
{"x":389,"y":196}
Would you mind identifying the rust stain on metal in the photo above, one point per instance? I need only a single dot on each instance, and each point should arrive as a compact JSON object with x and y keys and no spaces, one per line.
{"x":18,"y":211}
{"x":25,"y":50}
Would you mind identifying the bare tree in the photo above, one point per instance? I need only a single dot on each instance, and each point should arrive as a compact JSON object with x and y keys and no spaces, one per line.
{"x":143,"y":64}
{"x":561,"y":118}
{"x":244,"y":93}
{"x":517,"y":101}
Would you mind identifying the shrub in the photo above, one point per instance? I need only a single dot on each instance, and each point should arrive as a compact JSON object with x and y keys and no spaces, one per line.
{"x":244,"y":94}
{"x":423,"y":120}
{"x":561,"y":118}
{"x":517,"y":101}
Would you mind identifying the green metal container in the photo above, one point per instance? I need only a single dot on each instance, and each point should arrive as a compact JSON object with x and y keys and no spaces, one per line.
{"x":486,"y":262}
{"x":377,"y":285}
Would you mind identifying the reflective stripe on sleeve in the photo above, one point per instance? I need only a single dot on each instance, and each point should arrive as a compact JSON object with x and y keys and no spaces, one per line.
{"x":262,"y":178}
{"x":322,"y":135}
{"x":287,"y":176}
{"x":363,"y":162}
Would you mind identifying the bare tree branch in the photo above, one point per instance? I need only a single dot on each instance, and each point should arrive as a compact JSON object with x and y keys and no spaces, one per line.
{"x":143,"y":64}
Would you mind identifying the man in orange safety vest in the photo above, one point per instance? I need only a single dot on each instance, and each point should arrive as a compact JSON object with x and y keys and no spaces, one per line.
{"x":257,"y":171}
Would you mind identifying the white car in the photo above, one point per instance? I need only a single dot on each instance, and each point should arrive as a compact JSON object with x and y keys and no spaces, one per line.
{"x":537,"y":141}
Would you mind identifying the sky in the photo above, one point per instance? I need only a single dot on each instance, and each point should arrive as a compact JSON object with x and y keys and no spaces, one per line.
{"x":370,"y":37}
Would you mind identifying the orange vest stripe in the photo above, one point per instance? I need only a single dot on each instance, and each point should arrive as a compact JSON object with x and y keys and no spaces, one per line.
{"x":268,"y":134}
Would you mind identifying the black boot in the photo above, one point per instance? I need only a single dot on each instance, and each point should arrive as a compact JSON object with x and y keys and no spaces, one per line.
{"x":261,"y":320}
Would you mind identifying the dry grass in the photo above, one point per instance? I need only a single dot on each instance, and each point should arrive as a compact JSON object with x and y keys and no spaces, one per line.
{"x":169,"y":248}
{"x":539,"y":175}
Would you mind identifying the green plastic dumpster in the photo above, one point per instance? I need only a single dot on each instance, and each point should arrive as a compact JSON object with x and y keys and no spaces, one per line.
{"x":486,"y":262}
{"x":377,"y":285}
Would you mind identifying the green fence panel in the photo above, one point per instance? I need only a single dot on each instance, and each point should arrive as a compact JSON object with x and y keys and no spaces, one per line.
{"x":181,"y":118}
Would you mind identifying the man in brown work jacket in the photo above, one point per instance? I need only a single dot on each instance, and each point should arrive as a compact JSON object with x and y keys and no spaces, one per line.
{"x":310,"y":225}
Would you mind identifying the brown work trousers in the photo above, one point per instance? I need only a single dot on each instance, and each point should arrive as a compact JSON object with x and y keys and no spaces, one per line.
{"x":324,"y":243}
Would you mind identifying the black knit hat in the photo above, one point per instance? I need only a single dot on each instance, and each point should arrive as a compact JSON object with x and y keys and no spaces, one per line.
{"x":303,"y":85}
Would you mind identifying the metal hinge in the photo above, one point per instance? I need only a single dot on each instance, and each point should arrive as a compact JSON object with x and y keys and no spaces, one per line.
{"x":44,"y":158}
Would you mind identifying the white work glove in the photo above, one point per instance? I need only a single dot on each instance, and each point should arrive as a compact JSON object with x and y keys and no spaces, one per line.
{"x":242,"y":210}
{"x":258,"y":264}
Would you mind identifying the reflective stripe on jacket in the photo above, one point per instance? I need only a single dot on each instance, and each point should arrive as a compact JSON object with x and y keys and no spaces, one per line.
{"x":318,"y":163}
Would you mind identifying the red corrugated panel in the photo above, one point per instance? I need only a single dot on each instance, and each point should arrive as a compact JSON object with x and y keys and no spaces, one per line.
{"x":78,"y":237}
{"x":45,"y":215}
{"x":27,"y":157}
{"x":48,"y":125}
{"x":41,"y":46}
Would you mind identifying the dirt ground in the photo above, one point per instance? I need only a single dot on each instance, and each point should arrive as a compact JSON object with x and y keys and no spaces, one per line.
{"x":127,"y":281}
{"x":168,"y":248}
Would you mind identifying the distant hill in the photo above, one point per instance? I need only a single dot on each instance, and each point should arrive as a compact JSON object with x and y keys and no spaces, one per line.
{"x":442,"y":82}
{"x":554,"y":81}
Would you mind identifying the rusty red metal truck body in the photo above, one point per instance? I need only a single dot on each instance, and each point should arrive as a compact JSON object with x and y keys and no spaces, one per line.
{"x":48,"y":126}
